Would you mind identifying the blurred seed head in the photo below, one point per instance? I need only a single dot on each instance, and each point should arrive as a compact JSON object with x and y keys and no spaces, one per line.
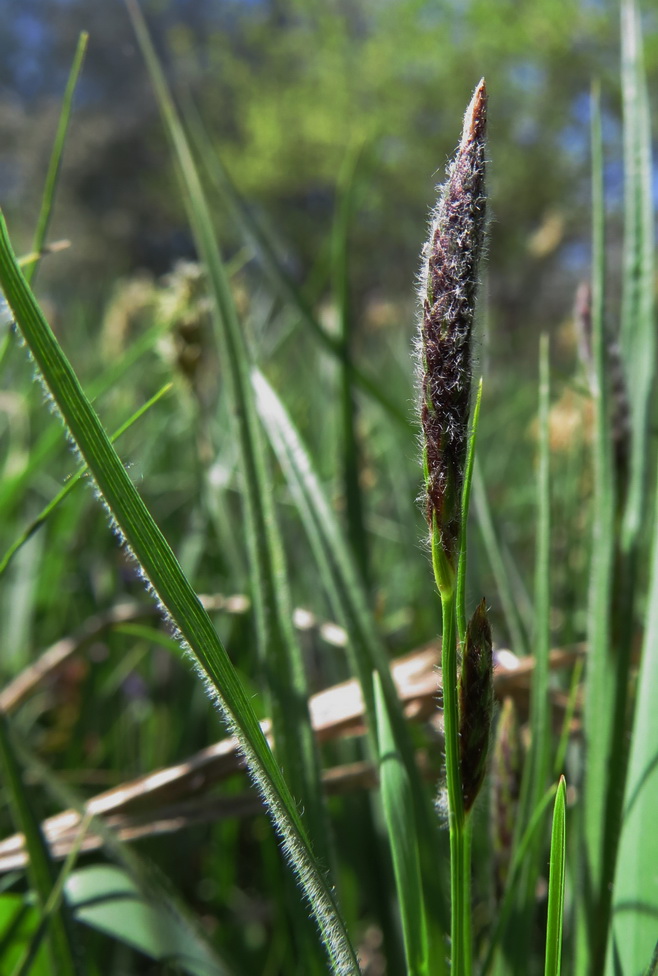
{"x":475,"y":704}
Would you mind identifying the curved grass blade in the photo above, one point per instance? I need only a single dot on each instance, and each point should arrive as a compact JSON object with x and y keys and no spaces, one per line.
{"x":279,"y":650}
{"x":41,"y":518}
{"x":177,"y":598}
{"x":349,"y":606}
{"x":555,"y":917}
{"x":106,"y":898}
{"x":55,"y":162}
{"x":400,"y":824}
{"x":41,"y":871}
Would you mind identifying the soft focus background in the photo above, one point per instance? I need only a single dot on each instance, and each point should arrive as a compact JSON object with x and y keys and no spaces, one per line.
{"x":304,"y":101}
{"x":287,"y":90}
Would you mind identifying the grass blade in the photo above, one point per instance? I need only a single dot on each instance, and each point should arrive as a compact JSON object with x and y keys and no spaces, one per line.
{"x":635,"y":898}
{"x":600,"y":677}
{"x":13,"y":489}
{"x":510,"y":896}
{"x":652,"y":968}
{"x":279,"y":650}
{"x":348,"y":404}
{"x":176,"y":596}
{"x":400,"y":823}
{"x":168,"y":926}
{"x":41,"y":518}
{"x":536,"y":766}
{"x":463,"y":531}
{"x":41,"y":871}
{"x":55,"y":162}
{"x":556,"y":884}
{"x":638,"y":338}
{"x":496,"y":558}
{"x":349,"y":605}
{"x":539,"y":758}
{"x":54,"y":901}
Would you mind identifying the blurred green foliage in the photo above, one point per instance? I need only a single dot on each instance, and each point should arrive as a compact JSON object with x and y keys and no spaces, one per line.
{"x":286,"y":89}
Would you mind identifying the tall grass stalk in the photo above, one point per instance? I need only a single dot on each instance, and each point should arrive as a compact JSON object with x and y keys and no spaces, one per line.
{"x":448,"y":288}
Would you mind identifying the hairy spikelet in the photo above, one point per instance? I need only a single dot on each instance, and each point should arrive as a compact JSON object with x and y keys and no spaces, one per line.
{"x":506,"y":769}
{"x":475,"y":704}
{"x":448,"y":290}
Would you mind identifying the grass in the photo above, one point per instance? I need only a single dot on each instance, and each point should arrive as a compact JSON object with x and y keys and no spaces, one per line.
{"x":267,"y":463}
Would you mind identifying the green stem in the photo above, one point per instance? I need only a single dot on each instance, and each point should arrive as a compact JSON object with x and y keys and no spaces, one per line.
{"x":453,"y":777}
{"x":468,"y":837}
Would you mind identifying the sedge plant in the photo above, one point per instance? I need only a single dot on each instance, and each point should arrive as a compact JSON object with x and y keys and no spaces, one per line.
{"x":448,"y":292}
{"x":606,"y":928}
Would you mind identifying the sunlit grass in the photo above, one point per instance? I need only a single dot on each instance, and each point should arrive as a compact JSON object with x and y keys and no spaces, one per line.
{"x":280,"y":471}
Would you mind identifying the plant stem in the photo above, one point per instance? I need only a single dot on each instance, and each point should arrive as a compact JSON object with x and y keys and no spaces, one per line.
{"x":458,"y":866}
{"x":466,"y":850}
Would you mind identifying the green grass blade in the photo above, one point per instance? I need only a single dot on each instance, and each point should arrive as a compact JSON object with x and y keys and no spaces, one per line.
{"x":54,"y":901}
{"x":569,"y":712}
{"x":349,"y":606}
{"x":55,"y":163}
{"x":511,"y":893}
{"x":41,"y":870}
{"x":176,"y":596}
{"x":168,"y":926}
{"x":44,"y":514}
{"x":652,"y":968}
{"x":335,"y":561}
{"x":494,"y":552}
{"x":638,"y":336}
{"x":279,"y":650}
{"x":400,"y":824}
{"x":600,"y":675}
{"x":556,"y":884}
{"x":463,"y":530}
{"x":638,"y":347}
{"x":539,"y":758}
{"x":537,"y":763}
{"x":348,"y":406}
{"x":635,"y":897}
{"x":13,"y":489}
{"x":107,"y":899}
